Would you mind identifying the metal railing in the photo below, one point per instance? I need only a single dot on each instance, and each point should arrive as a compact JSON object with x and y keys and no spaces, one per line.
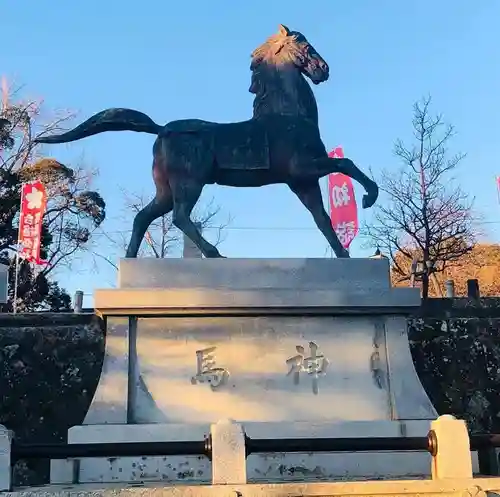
{"x":484,"y":444}
{"x":127,"y":449}
{"x":448,"y":442}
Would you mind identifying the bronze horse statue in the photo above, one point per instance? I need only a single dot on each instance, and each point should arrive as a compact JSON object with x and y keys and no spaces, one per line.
{"x":281,"y":143}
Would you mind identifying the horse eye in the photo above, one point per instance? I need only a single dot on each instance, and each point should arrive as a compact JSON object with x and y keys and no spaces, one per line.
{"x":301,"y":58}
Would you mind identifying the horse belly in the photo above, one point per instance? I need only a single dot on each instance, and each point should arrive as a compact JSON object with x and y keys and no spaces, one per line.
{"x":244,"y":178}
{"x":241,"y":147}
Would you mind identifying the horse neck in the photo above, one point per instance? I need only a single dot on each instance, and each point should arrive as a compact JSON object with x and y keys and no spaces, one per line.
{"x":282,"y":90}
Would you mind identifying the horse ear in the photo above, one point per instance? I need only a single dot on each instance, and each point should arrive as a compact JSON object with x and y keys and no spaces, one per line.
{"x":283,"y":30}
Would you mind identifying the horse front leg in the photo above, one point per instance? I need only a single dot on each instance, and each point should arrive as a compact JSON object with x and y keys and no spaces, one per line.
{"x":326,"y":165}
{"x":347,"y":167}
{"x":309,"y":193}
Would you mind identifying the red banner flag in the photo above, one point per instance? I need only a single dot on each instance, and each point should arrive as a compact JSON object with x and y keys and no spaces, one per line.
{"x":343,"y":208}
{"x":33,"y":204}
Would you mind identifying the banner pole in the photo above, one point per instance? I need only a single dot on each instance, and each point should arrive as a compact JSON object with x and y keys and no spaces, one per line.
{"x":16,"y":277}
{"x":329,"y":208}
{"x":16,"y":282}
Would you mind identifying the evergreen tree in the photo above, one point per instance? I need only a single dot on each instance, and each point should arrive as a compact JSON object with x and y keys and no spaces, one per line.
{"x":73,"y":210}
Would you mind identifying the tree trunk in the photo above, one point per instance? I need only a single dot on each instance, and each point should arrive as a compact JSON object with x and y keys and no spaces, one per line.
{"x":425,"y":285}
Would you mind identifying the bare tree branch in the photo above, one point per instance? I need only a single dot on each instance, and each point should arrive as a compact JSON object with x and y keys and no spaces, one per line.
{"x":426,"y":216}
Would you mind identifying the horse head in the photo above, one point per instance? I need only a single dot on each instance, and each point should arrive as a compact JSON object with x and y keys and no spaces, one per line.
{"x":291,"y":49}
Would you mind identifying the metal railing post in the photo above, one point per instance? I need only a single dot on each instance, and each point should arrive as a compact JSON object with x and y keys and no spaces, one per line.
{"x":228,"y":449}
{"x":451,"y":457}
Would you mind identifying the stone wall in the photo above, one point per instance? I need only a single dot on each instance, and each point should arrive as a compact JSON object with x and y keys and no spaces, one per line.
{"x":50,"y":366}
{"x":456,"y":351}
{"x":49,"y":369}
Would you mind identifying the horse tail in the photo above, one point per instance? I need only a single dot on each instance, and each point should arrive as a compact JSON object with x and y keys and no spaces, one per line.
{"x":107,"y":120}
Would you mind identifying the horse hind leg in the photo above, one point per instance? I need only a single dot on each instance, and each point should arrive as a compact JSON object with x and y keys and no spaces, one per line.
{"x":162,"y":204}
{"x":185,"y":196}
{"x":309,"y":193}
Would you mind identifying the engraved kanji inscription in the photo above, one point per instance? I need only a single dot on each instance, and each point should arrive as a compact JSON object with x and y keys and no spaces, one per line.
{"x":206,"y":370}
{"x":314,"y":365}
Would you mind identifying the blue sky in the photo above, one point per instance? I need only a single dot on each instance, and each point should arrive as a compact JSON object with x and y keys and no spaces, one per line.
{"x":177,"y":60}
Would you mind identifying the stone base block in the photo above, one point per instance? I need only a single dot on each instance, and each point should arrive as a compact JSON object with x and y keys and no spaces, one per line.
{"x":256,"y":340}
{"x":296,"y":347}
{"x":345,"y":275}
{"x":156,"y":286}
{"x":256,"y":369}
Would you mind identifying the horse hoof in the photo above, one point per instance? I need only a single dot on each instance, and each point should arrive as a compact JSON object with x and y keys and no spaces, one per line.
{"x":369,"y":199}
{"x":214,"y":255}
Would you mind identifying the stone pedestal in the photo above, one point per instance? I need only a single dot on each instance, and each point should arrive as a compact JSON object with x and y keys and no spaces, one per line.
{"x":288,"y":348}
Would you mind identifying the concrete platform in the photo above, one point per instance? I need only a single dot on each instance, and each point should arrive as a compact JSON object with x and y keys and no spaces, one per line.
{"x":471,"y":487}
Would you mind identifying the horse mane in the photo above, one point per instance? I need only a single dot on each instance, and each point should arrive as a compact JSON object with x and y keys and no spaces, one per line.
{"x":268,"y":51}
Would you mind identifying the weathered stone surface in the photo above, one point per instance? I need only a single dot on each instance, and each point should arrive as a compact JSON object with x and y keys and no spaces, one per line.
{"x":155,"y":286}
{"x":49,"y":368}
{"x":255,"y":274}
{"x":50,"y":365}
{"x":458,"y":362}
{"x":258,"y":358}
